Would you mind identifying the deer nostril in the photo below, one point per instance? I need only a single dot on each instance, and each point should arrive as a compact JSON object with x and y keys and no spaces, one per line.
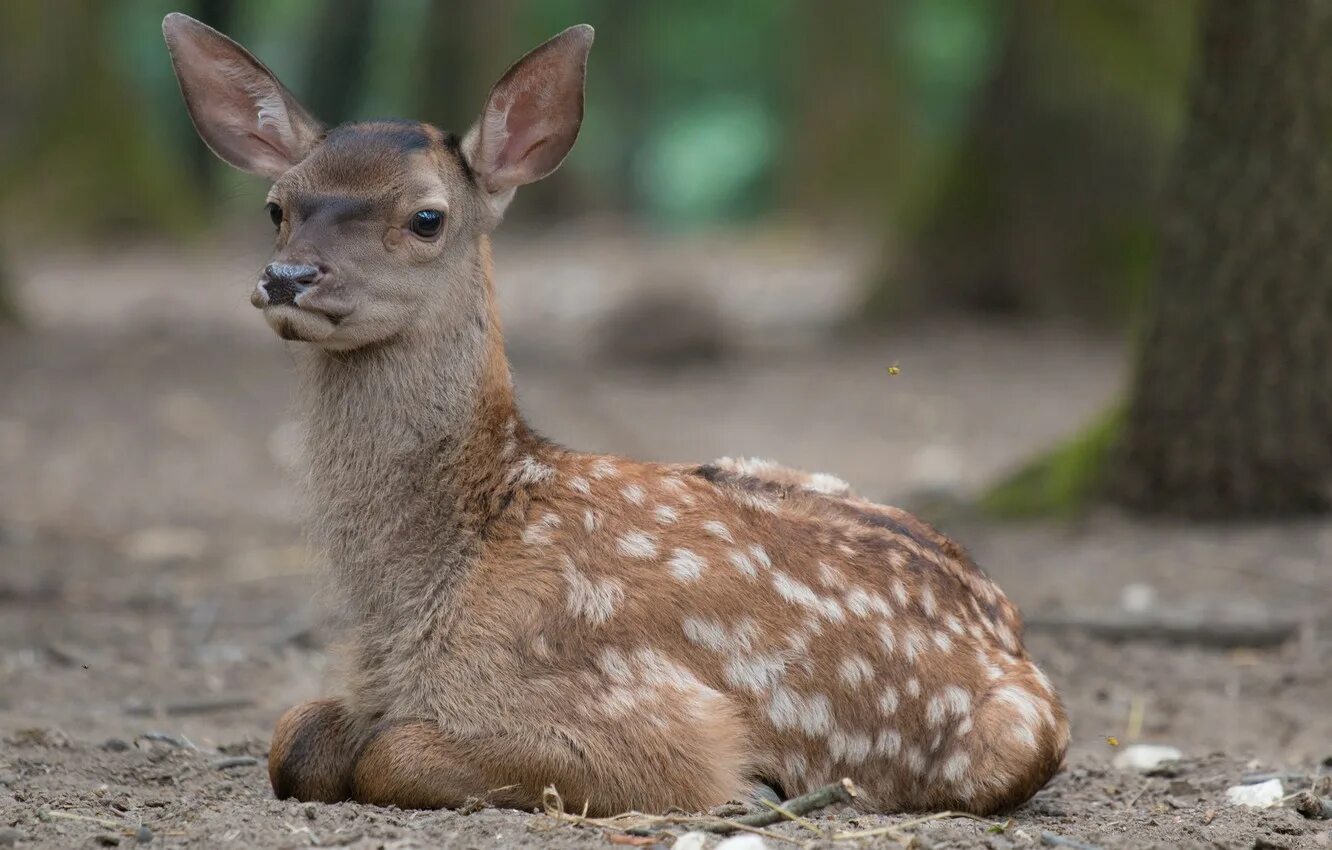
{"x":292,"y":272}
{"x":284,"y":281}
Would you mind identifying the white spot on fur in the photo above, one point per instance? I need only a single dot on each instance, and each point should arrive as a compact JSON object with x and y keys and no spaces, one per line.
{"x":942,"y":641}
{"x":529,"y":471}
{"x":1023,"y":701}
{"x":913,"y":687}
{"x":887,"y":638}
{"x":951,"y":700}
{"x":888,"y":742}
{"x":634,"y":494}
{"x":755,"y":673}
{"x":788,"y":709}
{"x":593,"y":600}
{"x":685,"y":565}
{"x":741,"y":562}
{"x":927,"y":601}
{"x":756,"y":501}
{"x":829,"y":577}
{"x":991,"y":670}
{"x":858,"y":601}
{"x":915,"y":759}
{"x":900,"y":591}
{"x":636,"y":544}
{"x":846,"y":550}
{"x":580,"y":484}
{"x":612,"y":662}
{"x":793,"y":591}
{"x":510,"y":444}
{"x":706,"y":633}
{"x":914,"y":644}
{"x":850,"y":747}
{"x":538,"y":533}
{"x":603,"y":467}
{"x":956,"y":767}
{"x":718,"y":530}
{"x":659,"y":670}
{"x":888,"y":701}
{"x":796,"y":765}
{"x":760,"y":557}
{"x":591,"y":520}
{"x":665,"y":514}
{"x":822,"y":482}
{"x":855,"y":670}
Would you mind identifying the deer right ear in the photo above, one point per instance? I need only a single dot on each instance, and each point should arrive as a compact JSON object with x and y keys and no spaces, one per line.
{"x":241,"y":111}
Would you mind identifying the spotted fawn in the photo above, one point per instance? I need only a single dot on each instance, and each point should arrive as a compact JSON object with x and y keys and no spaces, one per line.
{"x":638,"y":635}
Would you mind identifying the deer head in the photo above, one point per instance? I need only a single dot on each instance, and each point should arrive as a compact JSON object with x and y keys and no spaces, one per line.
{"x":378,"y":224}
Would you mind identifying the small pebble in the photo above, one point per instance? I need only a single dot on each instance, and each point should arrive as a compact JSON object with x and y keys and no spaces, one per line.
{"x":115,"y":745}
{"x":743,"y":842}
{"x":310,"y":812}
{"x":143,"y":834}
{"x":691,"y":841}
{"x":1146,"y":756}
{"x":1260,"y":796}
{"x":106,"y":839}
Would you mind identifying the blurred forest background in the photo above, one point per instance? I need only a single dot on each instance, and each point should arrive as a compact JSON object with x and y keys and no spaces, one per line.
{"x":1066,"y":261}
{"x":1010,"y":159}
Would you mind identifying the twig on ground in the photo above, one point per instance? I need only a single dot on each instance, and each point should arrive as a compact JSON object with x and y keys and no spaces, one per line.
{"x":1051,"y":839}
{"x":202,"y":705}
{"x":638,"y":823}
{"x":181,"y":742}
{"x":234,"y":761}
{"x":109,"y":824}
{"x":1138,"y":796}
{"x":1172,"y":627}
{"x":843,"y":792}
{"x":792,"y":816}
{"x":897,"y":828}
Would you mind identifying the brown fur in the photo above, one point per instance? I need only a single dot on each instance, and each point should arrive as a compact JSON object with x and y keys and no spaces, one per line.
{"x":638,"y":635}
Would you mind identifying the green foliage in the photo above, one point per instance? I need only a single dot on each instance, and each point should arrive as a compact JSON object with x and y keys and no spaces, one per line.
{"x":1062,"y":483}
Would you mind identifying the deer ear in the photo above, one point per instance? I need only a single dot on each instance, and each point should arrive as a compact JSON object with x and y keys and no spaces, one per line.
{"x":241,"y":111}
{"x":532,"y":116}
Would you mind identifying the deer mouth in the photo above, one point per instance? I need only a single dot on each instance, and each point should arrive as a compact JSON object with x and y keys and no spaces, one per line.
{"x":299,"y":323}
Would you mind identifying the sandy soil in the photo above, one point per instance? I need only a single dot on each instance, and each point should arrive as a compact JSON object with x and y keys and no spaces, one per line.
{"x":157,"y":611}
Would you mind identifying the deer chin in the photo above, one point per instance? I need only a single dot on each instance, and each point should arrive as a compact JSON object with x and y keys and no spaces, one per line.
{"x":300,"y":325}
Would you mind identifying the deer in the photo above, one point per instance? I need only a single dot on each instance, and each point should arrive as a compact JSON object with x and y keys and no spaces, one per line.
{"x":519,"y":615}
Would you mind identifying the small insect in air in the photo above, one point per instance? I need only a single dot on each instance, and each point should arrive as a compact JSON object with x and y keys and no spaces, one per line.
{"x":894,"y":369}
{"x":1112,"y":740}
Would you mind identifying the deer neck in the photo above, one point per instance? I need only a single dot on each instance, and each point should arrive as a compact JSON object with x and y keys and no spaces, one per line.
{"x":406,"y":444}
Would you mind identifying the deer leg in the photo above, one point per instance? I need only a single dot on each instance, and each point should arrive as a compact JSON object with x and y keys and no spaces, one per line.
{"x":312,"y":753}
{"x":419,"y":764}
{"x":414,"y":764}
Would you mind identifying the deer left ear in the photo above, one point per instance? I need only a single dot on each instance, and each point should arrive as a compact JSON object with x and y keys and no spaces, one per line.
{"x":532,"y":116}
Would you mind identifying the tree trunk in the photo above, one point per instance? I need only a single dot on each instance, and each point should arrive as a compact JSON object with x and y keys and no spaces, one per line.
{"x":1230,"y":413}
{"x":337,"y":63}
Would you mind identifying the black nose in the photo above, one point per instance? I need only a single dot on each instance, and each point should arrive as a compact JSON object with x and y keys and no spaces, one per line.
{"x":284,"y":281}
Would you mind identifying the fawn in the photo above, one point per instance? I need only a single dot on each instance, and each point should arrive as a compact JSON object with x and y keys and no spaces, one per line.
{"x":638,"y":635}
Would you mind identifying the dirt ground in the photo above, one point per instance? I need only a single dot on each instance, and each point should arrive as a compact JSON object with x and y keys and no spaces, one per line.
{"x":157,"y":609}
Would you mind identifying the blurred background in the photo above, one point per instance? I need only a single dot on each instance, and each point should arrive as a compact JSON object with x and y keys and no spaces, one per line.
{"x":1054,"y":273}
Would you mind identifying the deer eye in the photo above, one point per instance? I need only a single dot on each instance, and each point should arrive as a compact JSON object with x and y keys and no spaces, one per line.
{"x":427,"y":223}
{"x":275,"y":213}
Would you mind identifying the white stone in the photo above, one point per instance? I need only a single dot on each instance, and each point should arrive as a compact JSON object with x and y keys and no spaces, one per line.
{"x":1261,"y":795}
{"x":743,"y":842}
{"x":691,"y":841}
{"x":1145,"y":756}
{"x":1137,"y":598}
